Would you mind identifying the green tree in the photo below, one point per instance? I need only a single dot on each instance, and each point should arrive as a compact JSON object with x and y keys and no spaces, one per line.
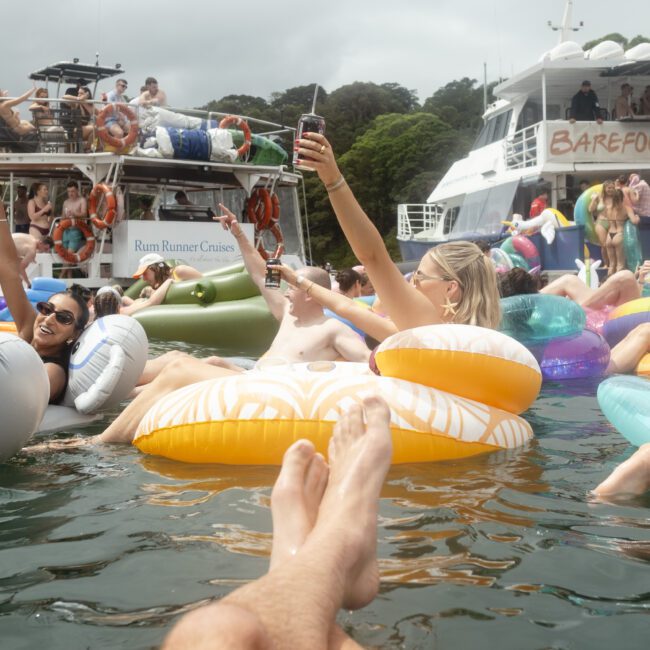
{"x":398,"y":158}
{"x":239,"y":105}
{"x":614,"y":36}
{"x":350,"y":109}
{"x":460,"y":103}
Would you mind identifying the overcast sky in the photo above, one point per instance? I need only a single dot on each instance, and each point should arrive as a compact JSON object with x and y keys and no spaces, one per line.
{"x":205,"y":49}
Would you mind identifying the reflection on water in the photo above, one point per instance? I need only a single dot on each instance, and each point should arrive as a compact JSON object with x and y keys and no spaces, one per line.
{"x":103,"y":547}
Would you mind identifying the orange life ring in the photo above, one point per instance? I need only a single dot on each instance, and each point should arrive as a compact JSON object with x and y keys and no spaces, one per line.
{"x":131,"y":135}
{"x":259,"y":208}
{"x":65,"y":253}
{"x":279,"y":239}
{"x":111,"y":206}
{"x":243,"y":125}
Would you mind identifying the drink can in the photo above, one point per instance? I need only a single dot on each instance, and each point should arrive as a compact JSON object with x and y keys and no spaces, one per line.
{"x":273,"y":276}
{"x":308,"y":123}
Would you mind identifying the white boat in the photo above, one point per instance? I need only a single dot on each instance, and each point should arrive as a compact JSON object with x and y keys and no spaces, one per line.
{"x":184,"y":232}
{"x":528,"y":141}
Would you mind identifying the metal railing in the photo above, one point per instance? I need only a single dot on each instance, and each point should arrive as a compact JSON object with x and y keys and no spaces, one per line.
{"x":521,"y":148}
{"x":416,"y":220}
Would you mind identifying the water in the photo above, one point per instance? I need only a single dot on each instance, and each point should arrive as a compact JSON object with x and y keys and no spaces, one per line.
{"x":104,"y":547}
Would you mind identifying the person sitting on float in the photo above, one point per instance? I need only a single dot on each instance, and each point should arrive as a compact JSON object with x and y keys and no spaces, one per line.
{"x":53,"y":328}
{"x":153,"y":269}
{"x":454,"y":282}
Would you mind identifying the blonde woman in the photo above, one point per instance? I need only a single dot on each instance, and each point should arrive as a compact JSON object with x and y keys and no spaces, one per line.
{"x":454,"y":282}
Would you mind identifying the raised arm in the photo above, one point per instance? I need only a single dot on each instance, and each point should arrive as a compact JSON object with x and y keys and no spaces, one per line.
{"x":406,"y":306}
{"x":365,"y":319}
{"x":11,"y":282}
{"x":10,"y":103}
{"x":254,"y":263}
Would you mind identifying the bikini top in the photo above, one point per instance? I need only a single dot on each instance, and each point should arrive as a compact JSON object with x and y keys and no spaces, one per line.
{"x":62,"y":360}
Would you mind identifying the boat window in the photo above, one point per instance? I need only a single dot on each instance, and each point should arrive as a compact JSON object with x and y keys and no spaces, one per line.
{"x":482,"y":212}
{"x":493,"y":130}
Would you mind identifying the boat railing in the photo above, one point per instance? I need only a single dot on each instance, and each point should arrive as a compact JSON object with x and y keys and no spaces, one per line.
{"x":426,"y":219}
{"x":521,"y":148}
{"x":58,"y":127}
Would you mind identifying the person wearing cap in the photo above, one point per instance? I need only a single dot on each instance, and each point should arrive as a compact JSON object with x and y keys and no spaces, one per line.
{"x":584,"y":105}
{"x":153,"y":269}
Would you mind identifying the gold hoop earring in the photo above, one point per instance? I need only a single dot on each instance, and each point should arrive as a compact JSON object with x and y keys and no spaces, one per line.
{"x":449,"y":308}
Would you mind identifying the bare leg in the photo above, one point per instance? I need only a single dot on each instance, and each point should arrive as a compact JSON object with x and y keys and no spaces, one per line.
{"x":617,"y":241}
{"x":182,"y":371}
{"x":601,"y":233}
{"x":617,"y":289}
{"x":626,"y":355}
{"x":568,"y":286}
{"x":631,"y":477}
{"x":338,"y":553}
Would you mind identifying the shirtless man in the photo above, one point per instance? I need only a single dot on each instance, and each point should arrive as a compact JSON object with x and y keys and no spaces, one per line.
{"x":27,"y":247}
{"x":153,"y":95}
{"x":305,"y":334}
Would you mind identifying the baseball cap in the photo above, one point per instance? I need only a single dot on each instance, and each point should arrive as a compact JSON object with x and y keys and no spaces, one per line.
{"x":147,"y":260}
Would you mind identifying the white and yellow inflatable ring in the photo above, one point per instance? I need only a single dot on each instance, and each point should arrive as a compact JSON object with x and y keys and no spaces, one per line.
{"x":252,"y":418}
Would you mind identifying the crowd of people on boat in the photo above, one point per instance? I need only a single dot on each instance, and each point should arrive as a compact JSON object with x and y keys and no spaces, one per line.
{"x":454,"y":282}
{"x":585,"y":106}
{"x":73,"y":115}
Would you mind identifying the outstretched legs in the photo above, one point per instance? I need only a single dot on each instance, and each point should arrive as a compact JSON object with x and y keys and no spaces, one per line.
{"x":337,"y":561}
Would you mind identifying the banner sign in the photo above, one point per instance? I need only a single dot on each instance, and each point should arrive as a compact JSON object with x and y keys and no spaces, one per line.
{"x":205,"y":246}
{"x":589,"y":142}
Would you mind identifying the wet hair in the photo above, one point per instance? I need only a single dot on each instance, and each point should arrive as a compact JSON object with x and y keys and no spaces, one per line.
{"x":347,"y":278}
{"x":107,"y":303}
{"x":474,"y":272}
{"x":34,"y":188}
{"x":318,"y":276}
{"x":161,"y":271}
{"x":517,"y":281}
{"x":484,"y":245}
{"x":84,"y":292}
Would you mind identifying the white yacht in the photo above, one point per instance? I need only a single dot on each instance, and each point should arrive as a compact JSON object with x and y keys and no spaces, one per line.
{"x":528,"y":142}
{"x":56,"y":154}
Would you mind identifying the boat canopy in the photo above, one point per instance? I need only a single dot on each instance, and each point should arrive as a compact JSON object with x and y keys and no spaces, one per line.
{"x":562,"y":75}
{"x":72,"y":71}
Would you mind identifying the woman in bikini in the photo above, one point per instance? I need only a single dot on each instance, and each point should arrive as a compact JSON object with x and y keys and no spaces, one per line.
{"x":55,"y":325}
{"x":601,"y":225}
{"x":40,"y":110}
{"x":617,"y":213}
{"x":39,"y":210}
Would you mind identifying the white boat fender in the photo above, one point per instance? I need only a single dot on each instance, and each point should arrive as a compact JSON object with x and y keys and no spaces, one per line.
{"x":106,"y":363}
{"x":24,"y":394}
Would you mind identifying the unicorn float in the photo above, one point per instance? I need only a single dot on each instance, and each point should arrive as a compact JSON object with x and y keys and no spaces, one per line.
{"x":546,"y":224}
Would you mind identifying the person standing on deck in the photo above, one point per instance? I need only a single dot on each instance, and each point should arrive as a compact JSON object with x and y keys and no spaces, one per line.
{"x":584,"y":105}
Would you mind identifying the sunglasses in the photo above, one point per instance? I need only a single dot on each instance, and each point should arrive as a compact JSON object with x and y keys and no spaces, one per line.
{"x":62,"y":316}
{"x":419,"y":276}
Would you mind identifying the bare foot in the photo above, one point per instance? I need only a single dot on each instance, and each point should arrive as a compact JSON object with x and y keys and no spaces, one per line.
{"x":296,"y":495}
{"x":630,"y":478}
{"x":359,"y":457}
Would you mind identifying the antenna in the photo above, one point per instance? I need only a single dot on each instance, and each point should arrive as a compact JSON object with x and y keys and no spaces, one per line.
{"x":565,"y":28}
{"x":97,"y":59}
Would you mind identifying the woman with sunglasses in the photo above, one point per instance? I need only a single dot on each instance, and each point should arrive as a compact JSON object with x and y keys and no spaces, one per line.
{"x":454,"y":282}
{"x":53,"y":328}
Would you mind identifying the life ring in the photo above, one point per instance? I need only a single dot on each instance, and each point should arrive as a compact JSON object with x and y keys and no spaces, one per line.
{"x":243,"y":125}
{"x":111,"y":206}
{"x":105,"y":135}
{"x":65,"y":253}
{"x":263,"y":209}
{"x":279,"y":239}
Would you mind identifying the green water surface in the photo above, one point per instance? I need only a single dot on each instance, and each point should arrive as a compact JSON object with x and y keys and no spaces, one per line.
{"x":105,"y":547}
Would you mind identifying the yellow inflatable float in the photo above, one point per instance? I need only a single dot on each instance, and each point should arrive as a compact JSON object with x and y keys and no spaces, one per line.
{"x":253,"y":417}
